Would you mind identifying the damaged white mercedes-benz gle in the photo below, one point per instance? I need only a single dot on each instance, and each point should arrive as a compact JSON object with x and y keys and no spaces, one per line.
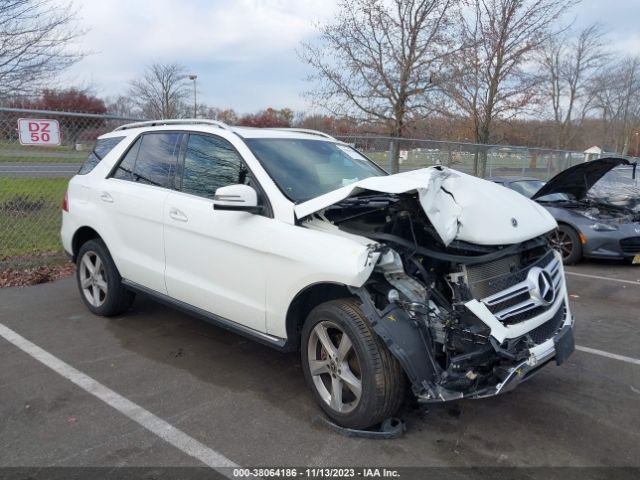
{"x":431,"y":279}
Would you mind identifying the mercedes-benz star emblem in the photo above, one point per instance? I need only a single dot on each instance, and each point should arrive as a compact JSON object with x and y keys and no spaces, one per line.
{"x":541,"y":286}
{"x":545,"y":287}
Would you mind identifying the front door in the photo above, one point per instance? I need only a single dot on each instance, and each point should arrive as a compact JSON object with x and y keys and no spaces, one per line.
{"x":214,"y":259}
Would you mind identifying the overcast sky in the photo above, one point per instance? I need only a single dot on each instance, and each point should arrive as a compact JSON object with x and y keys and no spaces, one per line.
{"x":244,"y":51}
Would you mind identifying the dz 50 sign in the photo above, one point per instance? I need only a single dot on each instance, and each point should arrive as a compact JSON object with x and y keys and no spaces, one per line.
{"x":34,"y":131}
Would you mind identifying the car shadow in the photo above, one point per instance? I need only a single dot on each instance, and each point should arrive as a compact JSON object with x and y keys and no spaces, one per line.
{"x":227,"y":360}
{"x":212,"y":354}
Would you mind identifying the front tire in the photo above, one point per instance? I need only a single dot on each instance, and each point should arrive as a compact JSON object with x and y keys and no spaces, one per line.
{"x":353,"y":376}
{"x":99,"y":281}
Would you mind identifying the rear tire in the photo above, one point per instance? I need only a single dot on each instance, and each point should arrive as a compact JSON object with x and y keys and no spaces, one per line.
{"x":356,"y":380}
{"x":567,"y":241}
{"x":99,"y":281}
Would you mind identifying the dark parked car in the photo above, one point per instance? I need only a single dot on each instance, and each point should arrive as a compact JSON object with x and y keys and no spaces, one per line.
{"x":594,"y":221}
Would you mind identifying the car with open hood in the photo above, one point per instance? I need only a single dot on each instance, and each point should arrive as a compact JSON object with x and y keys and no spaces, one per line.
{"x":433,"y":279}
{"x":596,"y":205}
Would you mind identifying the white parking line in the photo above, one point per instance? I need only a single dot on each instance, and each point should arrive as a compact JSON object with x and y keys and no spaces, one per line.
{"x":614,"y":356}
{"x":146,"y":419}
{"x":598,"y":277}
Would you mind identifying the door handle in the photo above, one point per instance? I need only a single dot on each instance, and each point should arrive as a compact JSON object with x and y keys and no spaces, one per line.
{"x":106,"y":197}
{"x":177,"y":215}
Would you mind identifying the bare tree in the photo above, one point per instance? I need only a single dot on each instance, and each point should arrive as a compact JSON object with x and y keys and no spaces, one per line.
{"x":161,"y":91}
{"x":378,"y":60}
{"x":35,"y":44}
{"x":617,"y":96}
{"x":121,"y":106}
{"x":569,"y":66}
{"x":492,"y":78}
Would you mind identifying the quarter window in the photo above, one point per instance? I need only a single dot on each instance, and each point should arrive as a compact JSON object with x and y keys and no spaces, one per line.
{"x":101,"y":148}
{"x":210,"y":163}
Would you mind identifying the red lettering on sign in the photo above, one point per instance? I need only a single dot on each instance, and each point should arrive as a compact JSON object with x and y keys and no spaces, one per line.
{"x":34,"y":126}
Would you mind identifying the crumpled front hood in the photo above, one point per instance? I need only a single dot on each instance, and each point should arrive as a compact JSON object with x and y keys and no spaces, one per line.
{"x":576,"y":181}
{"x":459,"y":206}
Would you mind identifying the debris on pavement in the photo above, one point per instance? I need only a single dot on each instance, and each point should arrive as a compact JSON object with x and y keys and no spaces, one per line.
{"x":34,"y":276}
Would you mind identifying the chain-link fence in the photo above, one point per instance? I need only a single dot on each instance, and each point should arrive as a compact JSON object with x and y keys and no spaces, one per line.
{"x":39,"y":154}
{"x":500,"y":160}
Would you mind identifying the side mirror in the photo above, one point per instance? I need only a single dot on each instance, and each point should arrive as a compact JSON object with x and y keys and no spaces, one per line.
{"x":239,"y":198}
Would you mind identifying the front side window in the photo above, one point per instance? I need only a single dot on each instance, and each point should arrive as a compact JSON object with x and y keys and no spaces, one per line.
{"x":304,"y":169}
{"x":151,"y":159}
{"x":210,"y":163}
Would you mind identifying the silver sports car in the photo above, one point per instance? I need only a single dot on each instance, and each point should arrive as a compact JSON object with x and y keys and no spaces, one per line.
{"x":597,"y":208}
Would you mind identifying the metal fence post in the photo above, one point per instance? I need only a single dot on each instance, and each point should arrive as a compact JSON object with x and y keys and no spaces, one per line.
{"x":490,"y":162}
{"x":393,"y":156}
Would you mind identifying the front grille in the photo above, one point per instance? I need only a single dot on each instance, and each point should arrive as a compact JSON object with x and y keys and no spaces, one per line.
{"x":630,"y":245}
{"x":525,"y":315}
{"x":549,"y":328}
{"x":490,"y":278}
{"x":516,"y":295}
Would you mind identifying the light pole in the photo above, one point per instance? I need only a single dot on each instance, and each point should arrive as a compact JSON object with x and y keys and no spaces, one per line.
{"x":637,"y":135}
{"x":195,"y":105}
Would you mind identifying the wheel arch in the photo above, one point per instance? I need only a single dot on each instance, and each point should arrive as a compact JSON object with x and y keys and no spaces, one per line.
{"x":306,"y":300}
{"x":81,"y":236}
{"x":576,"y":229}
{"x":569,"y":224}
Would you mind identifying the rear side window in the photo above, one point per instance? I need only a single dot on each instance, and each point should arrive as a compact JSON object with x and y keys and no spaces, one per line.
{"x":101,"y":148}
{"x":151,"y":159}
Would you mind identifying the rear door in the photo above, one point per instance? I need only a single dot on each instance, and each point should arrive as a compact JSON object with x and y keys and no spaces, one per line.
{"x":133,"y":199}
{"x":215,"y":259}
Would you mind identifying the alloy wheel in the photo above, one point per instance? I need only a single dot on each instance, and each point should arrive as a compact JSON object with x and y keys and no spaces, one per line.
{"x":93,"y":278}
{"x":335,"y":367}
{"x":561,"y":241}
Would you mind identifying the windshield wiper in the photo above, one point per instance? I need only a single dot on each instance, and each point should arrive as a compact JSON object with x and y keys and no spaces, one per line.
{"x":559,"y":200}
{"x":369,"y":200}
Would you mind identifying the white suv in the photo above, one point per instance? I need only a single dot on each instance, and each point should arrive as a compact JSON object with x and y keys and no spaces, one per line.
{"x":432,"y":279}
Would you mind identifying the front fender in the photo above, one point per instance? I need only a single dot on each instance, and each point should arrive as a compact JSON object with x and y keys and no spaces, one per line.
{"x":404,"y":338}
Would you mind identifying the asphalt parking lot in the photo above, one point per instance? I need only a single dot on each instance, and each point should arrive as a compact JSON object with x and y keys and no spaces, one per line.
{"x":248,"y":404}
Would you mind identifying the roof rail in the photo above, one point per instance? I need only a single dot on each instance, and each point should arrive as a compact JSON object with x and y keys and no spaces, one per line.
{"x":177,"y":121}
{"x":306,"y":130}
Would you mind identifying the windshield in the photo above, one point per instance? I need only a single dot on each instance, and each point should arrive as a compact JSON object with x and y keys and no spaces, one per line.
{"x":527,"y":187}
{"x":305,"y":169}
